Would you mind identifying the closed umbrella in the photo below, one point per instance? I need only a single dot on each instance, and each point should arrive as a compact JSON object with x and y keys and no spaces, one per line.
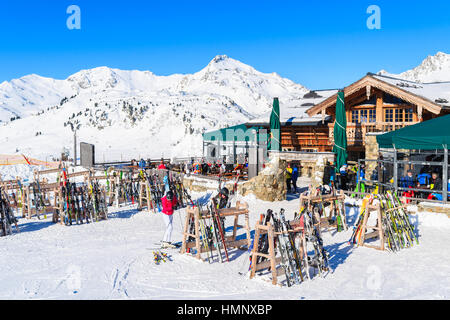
{"x":340,"y":132}
{"x":275,"y":127}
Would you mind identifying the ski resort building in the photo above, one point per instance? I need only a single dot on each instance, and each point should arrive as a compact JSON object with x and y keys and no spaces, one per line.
{"x":374,"y":104}
{"x":378,"y":103}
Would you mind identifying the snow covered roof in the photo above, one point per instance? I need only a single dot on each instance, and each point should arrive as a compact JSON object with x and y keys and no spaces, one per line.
{"x":432,"y":96}
{"x":436,"y":92}
{"x":293,"y":112}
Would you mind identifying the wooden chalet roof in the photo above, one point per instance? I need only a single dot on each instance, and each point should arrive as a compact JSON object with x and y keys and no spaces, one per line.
{"x":431,"y":96}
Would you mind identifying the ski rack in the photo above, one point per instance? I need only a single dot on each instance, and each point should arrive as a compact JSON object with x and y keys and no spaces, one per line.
{"x":8,"y":185}
{"x":230,"y":241}
{"x":4,"y":187}
{"x":58,"y":206}
{"x":307,"y":200}
{"x":377,"y":230}
{"x":271,"y":259}
{"x":145,"y":195}
{"x":28,"y":210}
{"x":116,"y":183}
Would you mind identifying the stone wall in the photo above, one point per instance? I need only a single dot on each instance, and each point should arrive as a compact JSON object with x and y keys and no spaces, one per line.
{"x":308,"y":161}
{"x":201,"y":184}
{"x":434,"y":207}
{"x":270,"y":184}
{"x":372,"y":152}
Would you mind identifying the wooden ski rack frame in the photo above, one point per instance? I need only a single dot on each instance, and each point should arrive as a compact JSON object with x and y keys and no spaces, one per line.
{"x":145,"y":195}
{"x":377,"y":230}
{"x":271,"y":259}
{"x":306,"y":200}
{"x":241,"y":209}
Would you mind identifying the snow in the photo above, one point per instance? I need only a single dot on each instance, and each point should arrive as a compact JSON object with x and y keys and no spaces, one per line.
{"x":135,"y":113}
{"x":139,"y":114}
{"x":294,"y":111}
{"x":111,"y":260}
{"x":433,"y":69}
{"x":23,"y":171}
{"x":430,"y":91}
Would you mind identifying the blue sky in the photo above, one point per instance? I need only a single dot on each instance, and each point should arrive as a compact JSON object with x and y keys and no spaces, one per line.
{"x":320,"y":44}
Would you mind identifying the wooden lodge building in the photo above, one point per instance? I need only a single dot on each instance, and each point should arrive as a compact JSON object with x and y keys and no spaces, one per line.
{"x":378,"y":103}
{"x":374,"y":104}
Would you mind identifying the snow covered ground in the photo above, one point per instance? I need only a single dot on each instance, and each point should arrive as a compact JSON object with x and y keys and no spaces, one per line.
{"x":24,"y":171}
{"x":111,"y":260}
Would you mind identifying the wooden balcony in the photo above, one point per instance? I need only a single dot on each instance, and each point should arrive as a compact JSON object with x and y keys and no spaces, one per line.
{"x":356,"y":132}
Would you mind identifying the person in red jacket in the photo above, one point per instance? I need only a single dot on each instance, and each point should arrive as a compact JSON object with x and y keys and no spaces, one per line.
{"x":161,"y":165}
{"x":169,"y":201}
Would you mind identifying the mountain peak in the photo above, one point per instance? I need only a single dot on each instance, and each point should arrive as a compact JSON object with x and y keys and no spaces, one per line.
{"x":219,"y":58}
{"x":224,"y":62}
{"x":434,"y":68}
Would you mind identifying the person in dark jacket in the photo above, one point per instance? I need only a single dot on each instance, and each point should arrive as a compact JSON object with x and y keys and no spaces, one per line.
{"x":205,"y":168}
{"x":408,"y":181}
{"x":435,"y":184}
{"x":222,"y":198}
{"x":294,"y":177}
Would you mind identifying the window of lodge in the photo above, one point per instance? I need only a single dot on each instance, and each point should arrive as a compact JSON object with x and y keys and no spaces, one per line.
{"x":364,"y":115}
{"x":398,"y":115}
{"x":389,"y":115}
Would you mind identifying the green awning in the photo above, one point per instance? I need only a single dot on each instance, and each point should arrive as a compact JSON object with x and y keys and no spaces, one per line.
{"x":238,"y":133}
{"x":428,"y":135}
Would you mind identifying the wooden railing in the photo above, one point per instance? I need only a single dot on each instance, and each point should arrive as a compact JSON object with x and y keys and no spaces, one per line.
{"x":356,"y":132}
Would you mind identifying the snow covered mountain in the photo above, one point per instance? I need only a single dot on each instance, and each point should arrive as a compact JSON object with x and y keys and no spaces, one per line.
{"x":433,"y":69}
{"x":136,"y":112}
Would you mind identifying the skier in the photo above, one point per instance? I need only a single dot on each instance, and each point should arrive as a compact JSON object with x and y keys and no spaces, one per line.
{"x":222,"y":170}
{"x":409,"y":182}
{"x":288,"y":177}
{"x":222,"y":198}
{"x":294,"y":177}
{"x":169,"y":201}
{"x":166,"y":182}
{"x":161,"y":165}
{"x":205,"y":167}
{"x":423,"y":180}
{"x":187,"y":168}
{"x":343,"y":176}
{"x":142,"y":163}
{"x":435,"y":184}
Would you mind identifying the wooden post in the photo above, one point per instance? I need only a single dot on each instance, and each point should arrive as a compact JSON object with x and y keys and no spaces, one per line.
{"x":395,"y":170}
{"x":255,"y":249}
{"x":445,"y":175}
{"x":273,"y":267}
{"x":379,"y":110}
{"x":197,"y":232}
{"x":29,"y":202}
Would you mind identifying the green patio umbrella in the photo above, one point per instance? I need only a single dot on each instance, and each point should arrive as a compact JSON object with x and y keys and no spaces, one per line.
{"x":340,"y":132}
{"x":275,"y":127}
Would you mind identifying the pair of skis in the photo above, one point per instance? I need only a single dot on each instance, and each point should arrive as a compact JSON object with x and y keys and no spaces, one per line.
{"x":289,"y":255}
{"x":311,"y":236}
{"x":217,"y":231}
{"x":7,"y":218}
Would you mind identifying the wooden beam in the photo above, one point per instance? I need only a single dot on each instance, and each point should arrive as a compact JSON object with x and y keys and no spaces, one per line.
{"x":419,"y":113}
{"x":381,"y":85}
{"x":379,"y":109}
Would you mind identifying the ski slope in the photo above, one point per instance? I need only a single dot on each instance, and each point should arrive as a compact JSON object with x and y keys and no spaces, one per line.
{"x":111,"y":260}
